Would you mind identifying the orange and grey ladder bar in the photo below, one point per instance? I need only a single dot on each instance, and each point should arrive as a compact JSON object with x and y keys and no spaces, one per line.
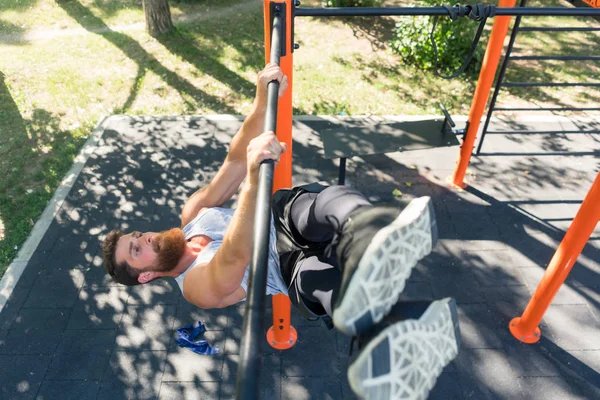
{"x":509,"y":57}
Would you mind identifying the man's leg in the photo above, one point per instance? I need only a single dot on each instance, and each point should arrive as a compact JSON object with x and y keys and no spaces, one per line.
{"x":376,"y":248}
{"x":317,"y":216}
{"x":318,"y":282}
{"x":403,"y":346}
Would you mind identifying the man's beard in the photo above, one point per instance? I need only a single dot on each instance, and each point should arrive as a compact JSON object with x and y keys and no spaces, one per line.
{"x":170,"y":246}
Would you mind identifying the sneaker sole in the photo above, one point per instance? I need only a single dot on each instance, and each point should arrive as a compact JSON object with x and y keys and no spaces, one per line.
{"x":385,"y":266}
{"x":404,"y":360}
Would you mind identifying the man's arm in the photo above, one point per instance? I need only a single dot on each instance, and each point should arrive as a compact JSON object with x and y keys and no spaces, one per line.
{"x":233,"y":171}
{"x":219,"y":281}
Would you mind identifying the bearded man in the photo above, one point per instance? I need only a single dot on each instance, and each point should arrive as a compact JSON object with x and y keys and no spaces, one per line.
{"x":331,"y":251}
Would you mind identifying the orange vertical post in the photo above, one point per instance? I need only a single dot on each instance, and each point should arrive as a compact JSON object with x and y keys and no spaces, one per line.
{"x":484,"y":85}
{"x":282,"y":335}
{"x":526,"y":328}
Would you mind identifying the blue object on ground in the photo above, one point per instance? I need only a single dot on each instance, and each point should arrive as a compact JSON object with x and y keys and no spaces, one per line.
{"x":186,"y":337}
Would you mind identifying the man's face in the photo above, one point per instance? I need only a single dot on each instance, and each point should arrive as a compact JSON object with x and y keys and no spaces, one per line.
{"x":151,"y":251}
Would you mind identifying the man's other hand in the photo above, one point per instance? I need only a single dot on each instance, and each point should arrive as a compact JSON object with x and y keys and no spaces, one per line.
{"x":271,"y":72}
{"x":261,"y":148}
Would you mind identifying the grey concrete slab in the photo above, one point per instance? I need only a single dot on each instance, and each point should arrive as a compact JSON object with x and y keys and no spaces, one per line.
{"x":270,"y":378}
{"x":146,"y":327}
{"x":11,"y":310}
{"x":133,"y":374}
{"x":93,"y":341}
{"x":158,"y":292}
{"x":477,"y":328}
{"x":35,"y":331}
{"x":562,"y":320}
{"x":99,"y":308}
{"x":363,"y":137}
{"x":486,"y":374}
{"x":323,"y":361}
{"x":22,"y":375}
{"x":550,"y":388}
{"x":496,"y":239}
{"x":183,"y":365}
{"x":55,"y":288}
{"x":189,"y":390}
{"x":68,"y":390}
{"x":447,"y":387}
{"x":303,"y":388}
{"x":77,"y":366}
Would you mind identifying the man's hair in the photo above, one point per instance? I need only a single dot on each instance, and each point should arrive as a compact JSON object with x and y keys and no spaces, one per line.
{"x":120,"y":272}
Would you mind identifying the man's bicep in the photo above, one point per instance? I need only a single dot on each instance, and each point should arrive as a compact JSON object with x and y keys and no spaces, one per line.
{"x":198,"y":288}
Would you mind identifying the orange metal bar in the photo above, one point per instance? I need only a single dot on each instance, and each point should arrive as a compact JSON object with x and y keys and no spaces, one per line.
{"x":593,"y":3}
{"x":525,"y":328}
{"x":484,"y":85}
{"x":282,"y":335}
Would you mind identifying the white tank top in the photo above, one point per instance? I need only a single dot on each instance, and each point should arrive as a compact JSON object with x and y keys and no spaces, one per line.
{"x":213,"y":222}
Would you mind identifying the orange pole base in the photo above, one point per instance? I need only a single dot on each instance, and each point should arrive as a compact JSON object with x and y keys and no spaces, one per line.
{"x":293,"y":337}
{"x":282,"y":335}
{"x":516,"y":328}
{"x":526,"y":327}
{"x":451,"y":184}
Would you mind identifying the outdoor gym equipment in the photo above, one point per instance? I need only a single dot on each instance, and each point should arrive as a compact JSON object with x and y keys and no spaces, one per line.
{"x":279,"y":46}
{"x":508,"y":58}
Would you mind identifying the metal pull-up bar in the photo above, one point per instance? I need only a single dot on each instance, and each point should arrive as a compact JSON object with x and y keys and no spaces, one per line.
{"x":442,"y":11}
{"x":278,"y":118}
{"x":248,"y":378}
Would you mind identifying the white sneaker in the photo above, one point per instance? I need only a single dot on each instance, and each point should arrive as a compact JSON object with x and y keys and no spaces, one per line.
{"x":404,"y":359}
{"x":378,"y":248}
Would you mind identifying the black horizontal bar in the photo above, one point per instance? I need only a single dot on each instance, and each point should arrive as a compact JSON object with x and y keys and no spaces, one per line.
{"x":548,"y":109}
{"x":540,"y":202}
{"x":539,"y":154}
{"x":548,"y":84}
{"x":560,"y":29}
{"x":542,"y":132}
{"x":557,"y":58}
{"x":412,"y":11}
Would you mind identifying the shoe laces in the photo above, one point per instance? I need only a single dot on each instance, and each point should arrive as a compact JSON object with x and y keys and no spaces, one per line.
{"x":353,"y":340}
{"x":337,"y":235}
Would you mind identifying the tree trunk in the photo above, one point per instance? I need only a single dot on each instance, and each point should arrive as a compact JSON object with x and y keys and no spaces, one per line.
{"x":158,"y":16}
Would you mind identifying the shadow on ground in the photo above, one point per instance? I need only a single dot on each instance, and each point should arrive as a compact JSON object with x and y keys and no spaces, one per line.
{"x":69,"y":331}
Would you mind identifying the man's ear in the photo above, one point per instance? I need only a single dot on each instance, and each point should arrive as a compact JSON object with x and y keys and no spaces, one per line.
{"x":147,"y":276}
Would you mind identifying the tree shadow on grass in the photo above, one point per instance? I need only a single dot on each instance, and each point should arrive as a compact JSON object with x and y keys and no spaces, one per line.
{"x":191,"y":94}
{"x":36,"y":151}
{"x":377,"y":30}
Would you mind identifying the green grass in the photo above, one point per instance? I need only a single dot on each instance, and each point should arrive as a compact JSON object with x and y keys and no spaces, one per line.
{"x":83,"y":65}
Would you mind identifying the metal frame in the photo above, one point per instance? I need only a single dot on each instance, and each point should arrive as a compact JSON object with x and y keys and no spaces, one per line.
{"x":276,"y":37}
{"x":508,"y":58}
{"x":441,"y":11}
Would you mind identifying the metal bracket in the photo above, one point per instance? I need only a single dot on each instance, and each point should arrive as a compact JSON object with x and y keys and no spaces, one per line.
{"x":280,"y":9}
{"x":448,"y":125}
